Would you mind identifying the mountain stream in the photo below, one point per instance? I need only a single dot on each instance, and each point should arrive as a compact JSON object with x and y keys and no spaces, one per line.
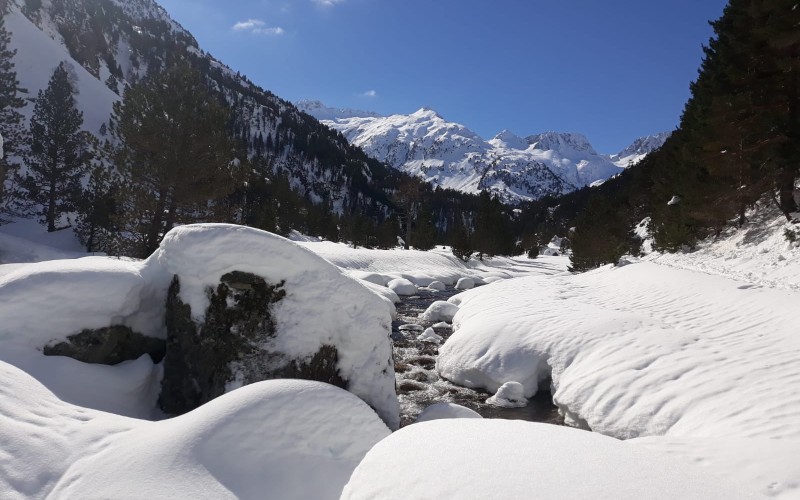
{"x":418,"y":383}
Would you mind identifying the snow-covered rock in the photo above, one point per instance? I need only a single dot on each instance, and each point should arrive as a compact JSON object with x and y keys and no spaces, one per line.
{"x":439,"y":411}
{"x":437,"y":285}
{"x":494,"y":458}
{"x":509,"y":395}
{"x":316,"y":315}
{"x":429,"y":335}
{"x":281,"y":438}
{"x":402,"y":286}
{"x":440,"y":311}
{"x":378,"y":279}
{"x":465,"y":284}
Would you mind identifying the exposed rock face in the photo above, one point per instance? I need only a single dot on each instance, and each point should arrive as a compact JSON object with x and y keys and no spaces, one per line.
{"x":230,"y":347}
{"x":108,"y":346}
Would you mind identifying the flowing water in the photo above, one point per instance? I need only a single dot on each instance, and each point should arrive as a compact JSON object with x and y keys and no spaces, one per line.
{"x":418,"y":383}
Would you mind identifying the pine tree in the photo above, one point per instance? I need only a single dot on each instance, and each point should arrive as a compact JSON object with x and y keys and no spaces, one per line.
{"x":96,"y":211}
{"x":461,"y":243}
{"x":11,"y":127}
{"x":424,"y":233}
{"x":492,"y":232}
{"x":59,"y":154}
{"x":177,"y":161}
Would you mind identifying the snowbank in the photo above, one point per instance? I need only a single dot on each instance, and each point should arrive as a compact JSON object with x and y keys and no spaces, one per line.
{"x":482,"y":458}
{"x":638,"y":350}
{"x":439,"y":411}
{"x":279,"y":439}
{"x":646,"y":350}
{"x":423,"y":268}
{"x":49,"y":300}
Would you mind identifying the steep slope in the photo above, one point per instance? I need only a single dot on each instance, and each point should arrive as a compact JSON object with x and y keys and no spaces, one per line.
{"x":640,"y":148}
{"x":111,"y":43}
{"x":450,"y":155}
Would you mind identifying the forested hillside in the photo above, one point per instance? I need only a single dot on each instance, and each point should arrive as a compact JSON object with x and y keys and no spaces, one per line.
{"x":738,"y":143}
{"x":187,"y":140}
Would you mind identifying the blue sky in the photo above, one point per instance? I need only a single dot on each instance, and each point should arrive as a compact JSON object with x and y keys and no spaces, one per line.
{"x":610,"y":69}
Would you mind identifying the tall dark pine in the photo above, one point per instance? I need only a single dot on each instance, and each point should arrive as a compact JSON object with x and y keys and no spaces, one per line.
{"x":58,"y":156}
{"x":175,"y":155}
{"x":11,"y":126}
{"x":97,"y":210}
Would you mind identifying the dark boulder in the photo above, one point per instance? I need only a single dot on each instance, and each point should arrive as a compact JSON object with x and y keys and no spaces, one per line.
{"x":230,"y":347}
{"x":108,"y":346}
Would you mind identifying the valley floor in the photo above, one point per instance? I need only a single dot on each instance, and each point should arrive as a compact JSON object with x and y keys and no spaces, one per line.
{"x":689,"y":361}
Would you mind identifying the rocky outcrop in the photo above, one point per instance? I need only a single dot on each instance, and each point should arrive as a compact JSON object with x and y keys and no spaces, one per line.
{"x":230,"y":347}
{"x":108,"y":346}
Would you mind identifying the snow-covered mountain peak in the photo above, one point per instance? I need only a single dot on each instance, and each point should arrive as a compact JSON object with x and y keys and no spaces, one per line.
{"x":645,"y":145}
{"x":320,"y":111}
{"x":426,"y":113}
{"x":508,"y":140}
{"x":564,"y":142}
{"x":640,"y":148}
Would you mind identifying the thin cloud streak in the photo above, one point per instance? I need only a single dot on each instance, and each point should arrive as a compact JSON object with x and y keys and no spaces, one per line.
{"x":258,"y":27}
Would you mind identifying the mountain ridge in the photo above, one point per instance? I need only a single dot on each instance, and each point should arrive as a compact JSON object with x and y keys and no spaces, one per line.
{"x":450,"y":155}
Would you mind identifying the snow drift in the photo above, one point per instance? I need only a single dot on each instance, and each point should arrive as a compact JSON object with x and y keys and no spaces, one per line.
{"x":482,"y":458}
{"x":279,"y":439}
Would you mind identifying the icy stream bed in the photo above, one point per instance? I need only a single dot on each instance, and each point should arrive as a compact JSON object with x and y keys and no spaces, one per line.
{"x":418,"y":383}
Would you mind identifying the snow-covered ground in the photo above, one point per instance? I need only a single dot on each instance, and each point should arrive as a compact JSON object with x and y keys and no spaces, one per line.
{"x":276,"y":439}
{"x":695,"y":353}
{"x":472,"y":458}
{"x":691,"y":359}
{"x":423,"y":268}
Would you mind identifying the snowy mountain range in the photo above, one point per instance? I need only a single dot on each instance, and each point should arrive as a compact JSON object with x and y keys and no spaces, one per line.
{"x":450,"y":155}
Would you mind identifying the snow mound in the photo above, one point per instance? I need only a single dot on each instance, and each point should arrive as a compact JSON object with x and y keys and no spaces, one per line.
{"x":465,"y":284}
{"x":378,"y":279}
{"x":402,"y":286}
{"x":430,"y":336}
{"x":439,"y":411}
{"x":440,"y":311}
{"x":485,"y":458}
{"x":321,"y":307}
{"x":509,"y":395}
{"x":386,"y":295}
{"x":280,"y":438}
{"x":437,"y":285}
{"x":47,"y":301}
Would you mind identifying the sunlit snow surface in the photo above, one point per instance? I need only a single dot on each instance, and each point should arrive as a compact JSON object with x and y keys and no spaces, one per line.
{"x":487,"y":459}
{"x":695,"y":367}
{"x":287,"y":439}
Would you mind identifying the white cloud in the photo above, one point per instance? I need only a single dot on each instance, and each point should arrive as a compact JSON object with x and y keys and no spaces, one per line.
{"x":327,"y":3}
{"x":258,"y":27}
{"x":369,"y":93}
